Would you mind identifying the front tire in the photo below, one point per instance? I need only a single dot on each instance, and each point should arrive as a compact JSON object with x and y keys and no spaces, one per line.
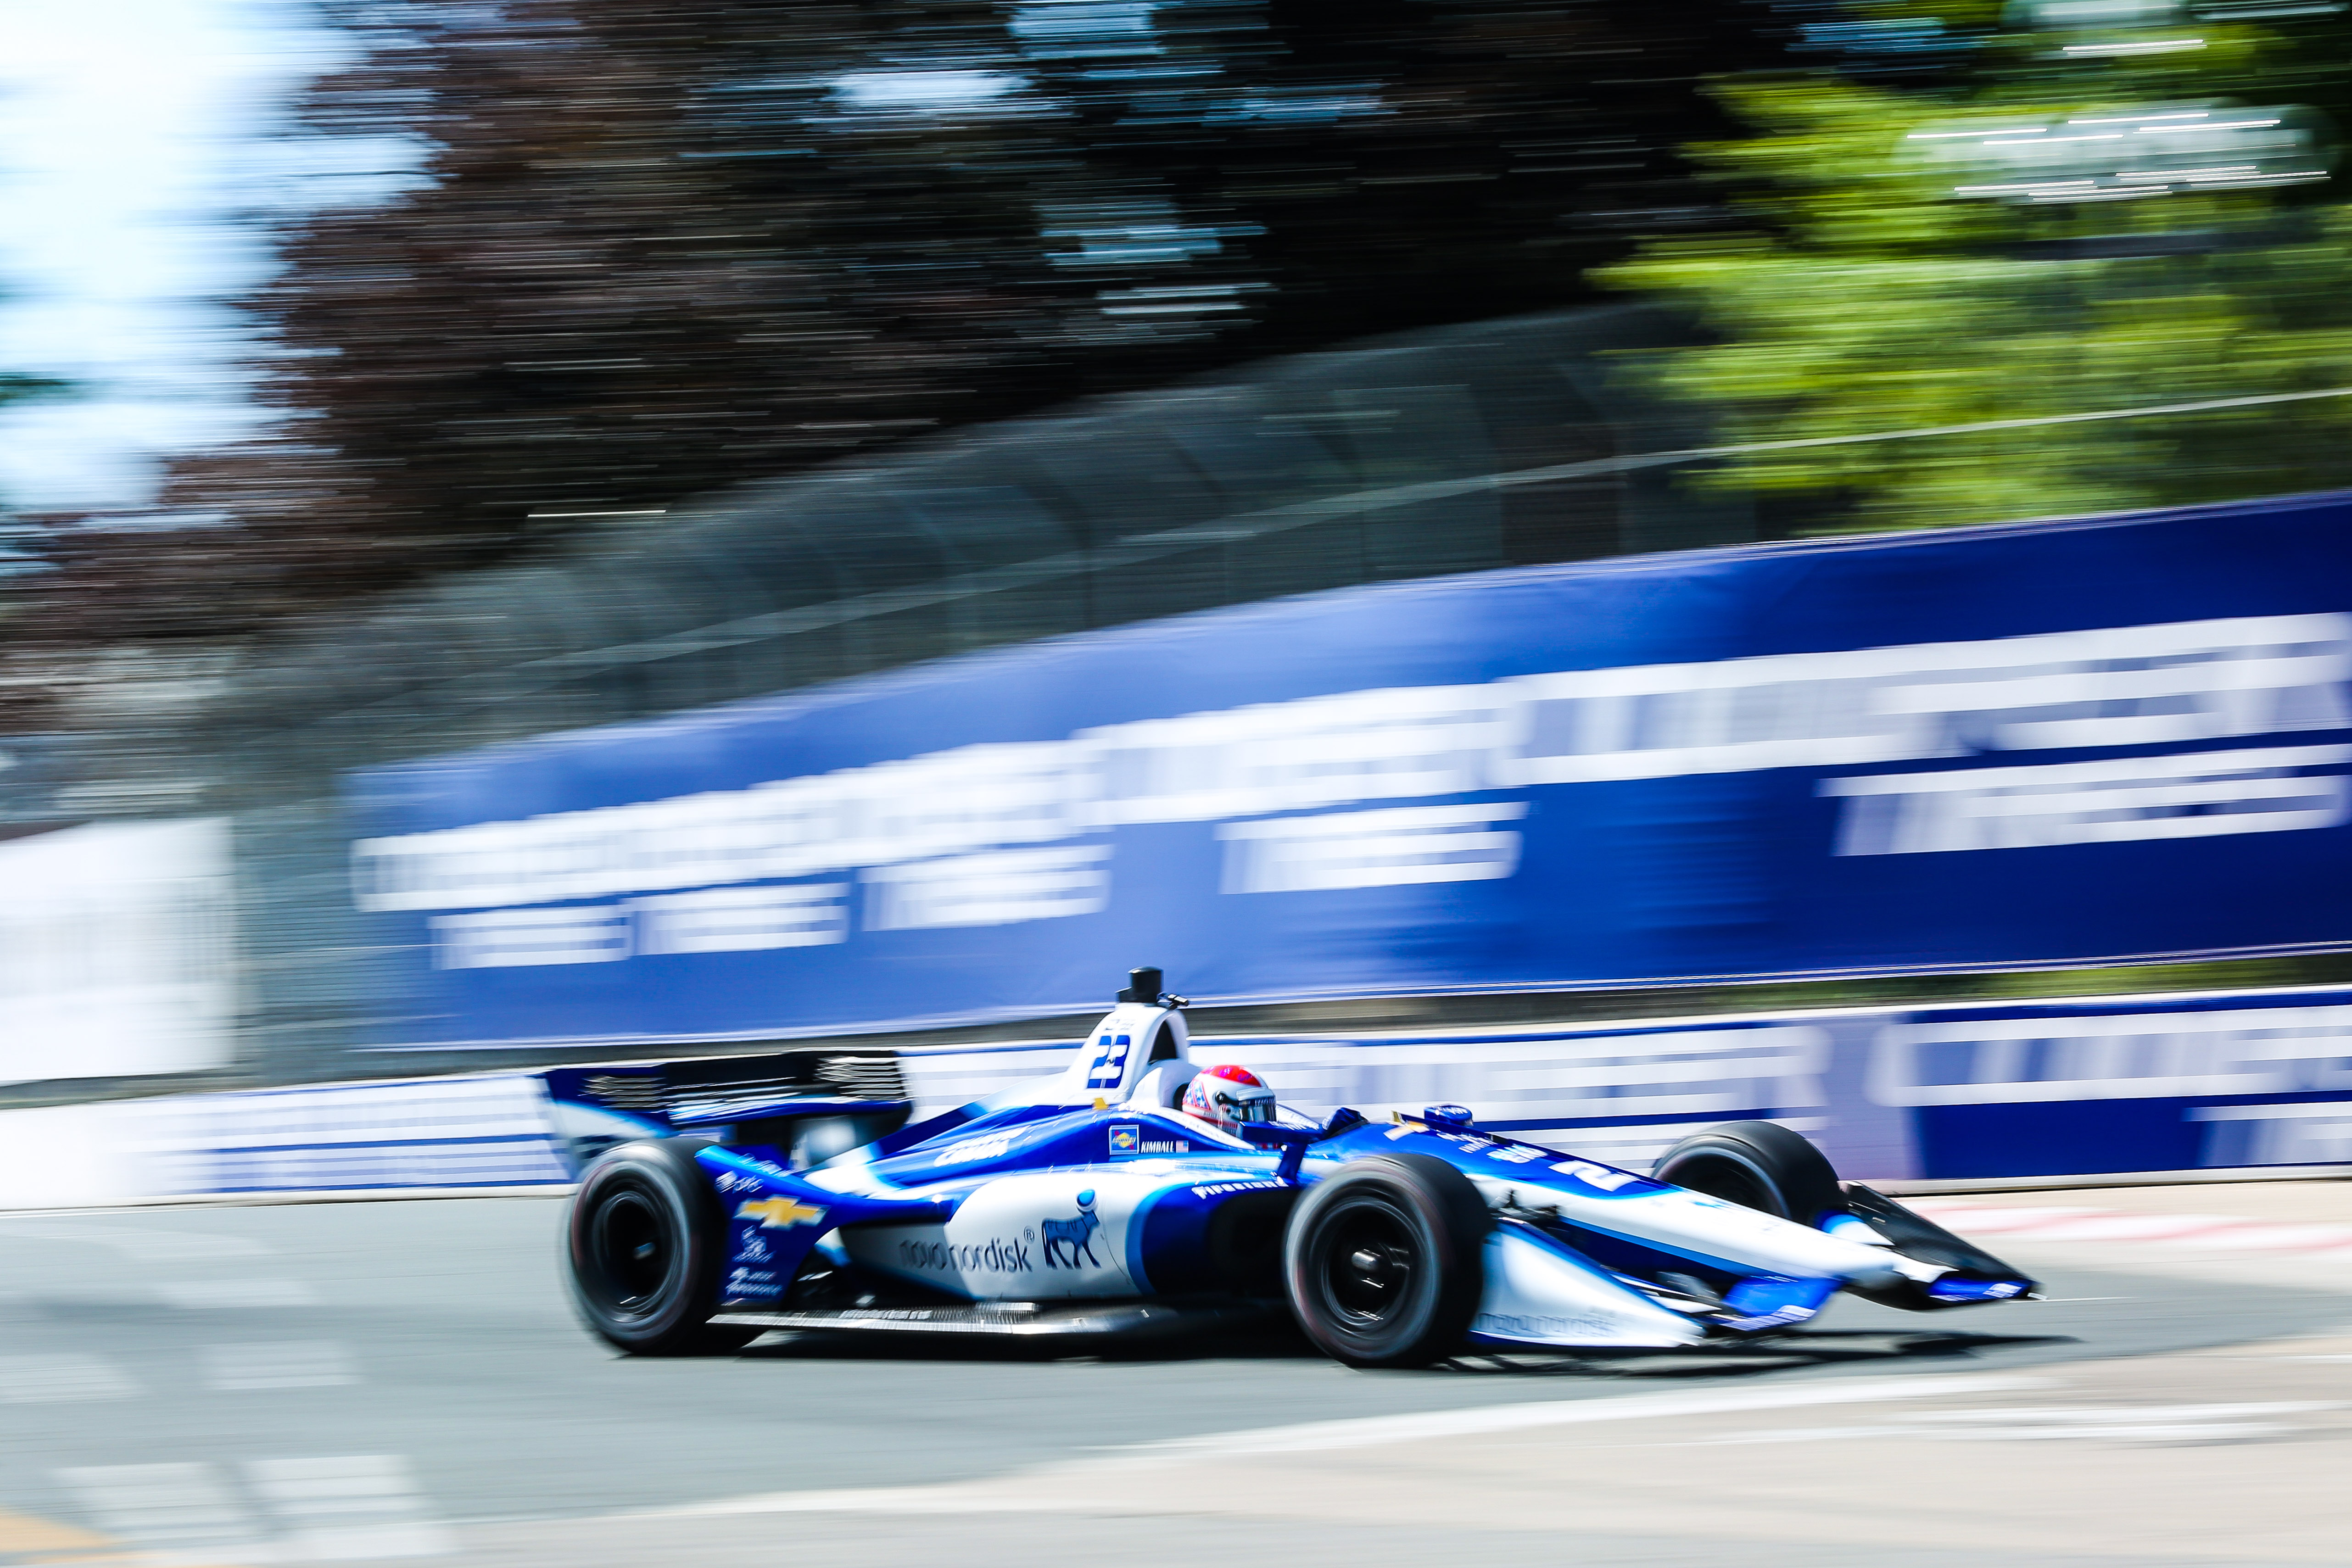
{"x":1756,"y":1164}
{"x":1384,"y":1261}
{"x":645,"y":1242}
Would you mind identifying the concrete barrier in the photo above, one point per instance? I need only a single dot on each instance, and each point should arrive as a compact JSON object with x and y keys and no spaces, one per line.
{"x":436,"y":1134}
{"x":1975,"y":1096}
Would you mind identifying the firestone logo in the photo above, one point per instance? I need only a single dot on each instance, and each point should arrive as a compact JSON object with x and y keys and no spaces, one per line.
{"x":1219,"y":1189}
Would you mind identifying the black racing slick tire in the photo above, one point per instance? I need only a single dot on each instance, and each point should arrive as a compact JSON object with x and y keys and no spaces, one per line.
{"x":1756,"y":1164}
{"x":1384,"y":1261}
{"x":644,"y":1246}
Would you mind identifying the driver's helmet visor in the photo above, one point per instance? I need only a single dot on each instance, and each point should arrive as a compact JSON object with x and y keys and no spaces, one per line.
{"x":1243,"y":1107}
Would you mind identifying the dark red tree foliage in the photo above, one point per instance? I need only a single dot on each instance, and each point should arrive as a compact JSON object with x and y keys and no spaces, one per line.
{"x":671,"y":244}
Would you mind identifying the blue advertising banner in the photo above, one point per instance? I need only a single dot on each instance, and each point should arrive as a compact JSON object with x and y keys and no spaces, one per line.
{"x":2090,"y":1086}
{"x":2105,"y":739}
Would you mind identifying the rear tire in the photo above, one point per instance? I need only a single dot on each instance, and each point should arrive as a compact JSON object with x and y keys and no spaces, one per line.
{"x":1384,"y":1262}
{"x":1756,"y":1164}
{"x":645,"y":1242}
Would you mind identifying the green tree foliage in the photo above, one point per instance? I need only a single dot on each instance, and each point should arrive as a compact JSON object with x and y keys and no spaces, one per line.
{"x":1866,"y":294}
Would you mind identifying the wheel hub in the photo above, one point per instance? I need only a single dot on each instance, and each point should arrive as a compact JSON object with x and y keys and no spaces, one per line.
{"x":632,"y":1244}
{"x":1372,"y":1263}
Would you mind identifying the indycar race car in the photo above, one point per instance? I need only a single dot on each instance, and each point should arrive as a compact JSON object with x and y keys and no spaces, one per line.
{"x":1089,"y":1202}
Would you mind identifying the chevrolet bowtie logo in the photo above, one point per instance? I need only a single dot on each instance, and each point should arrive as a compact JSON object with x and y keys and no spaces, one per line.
{"x":781,"y":1213}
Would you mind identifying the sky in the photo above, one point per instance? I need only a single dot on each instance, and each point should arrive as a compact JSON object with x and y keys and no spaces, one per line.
{"x":136,"y":138}
{"x":134,"y":133}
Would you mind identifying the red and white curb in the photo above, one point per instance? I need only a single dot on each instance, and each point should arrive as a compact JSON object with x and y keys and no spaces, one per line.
{"x":2215,"y":1232}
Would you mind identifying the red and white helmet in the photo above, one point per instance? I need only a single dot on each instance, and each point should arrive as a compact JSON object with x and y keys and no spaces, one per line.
{"x":1228,"y":1096}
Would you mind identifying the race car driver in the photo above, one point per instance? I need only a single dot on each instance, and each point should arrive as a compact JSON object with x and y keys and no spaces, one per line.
{"x":1227,"y":1096}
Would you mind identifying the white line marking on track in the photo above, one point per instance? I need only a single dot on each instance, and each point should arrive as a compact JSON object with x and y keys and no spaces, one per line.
{"x":203,"y":1294}
{"x":140,"y":1243}
{"x":289,"y":1363}
{"x":1970,"y":1218}
{"x":2097,"y":1415}
{"x":357,"y":1506}
{"x":346,"y":1508}
{"x":1372,"y":1431}
{"x":184,"y":1509}
{"x":61,"y":1380}
{"x":2135,"y":1228}
{"x":2123,"y":1423}
{"x":2280,"y":1237}
{"x":2187,"y":1231}
{"x":1364,"y":1432}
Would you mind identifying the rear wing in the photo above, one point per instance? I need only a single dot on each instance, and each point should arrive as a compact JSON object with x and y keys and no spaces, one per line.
{"x":811,"y":1104}
{"x":819,"y":1106}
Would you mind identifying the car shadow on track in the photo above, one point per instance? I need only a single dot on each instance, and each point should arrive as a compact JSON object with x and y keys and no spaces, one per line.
{"x":1281,"y":1341}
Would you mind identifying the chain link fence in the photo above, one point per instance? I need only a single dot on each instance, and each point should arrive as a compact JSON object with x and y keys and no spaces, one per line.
{"x":1315,"y":472}
{"x":1321,"y":471}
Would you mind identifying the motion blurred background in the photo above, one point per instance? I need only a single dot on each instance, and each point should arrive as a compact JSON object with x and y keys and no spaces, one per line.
{"x":1620,"y":565}
{"x":426,"y":420}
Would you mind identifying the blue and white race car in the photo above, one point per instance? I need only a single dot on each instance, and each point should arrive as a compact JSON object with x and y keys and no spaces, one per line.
{"x":1089,"y":1202}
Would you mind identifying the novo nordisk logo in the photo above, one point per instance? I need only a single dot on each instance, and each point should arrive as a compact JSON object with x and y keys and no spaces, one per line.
{"x":1075,"y":1235}
{"x":1002,"y":1255}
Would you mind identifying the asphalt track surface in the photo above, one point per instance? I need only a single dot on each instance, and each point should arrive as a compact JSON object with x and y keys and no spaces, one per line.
{"x":404,"y":1380}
